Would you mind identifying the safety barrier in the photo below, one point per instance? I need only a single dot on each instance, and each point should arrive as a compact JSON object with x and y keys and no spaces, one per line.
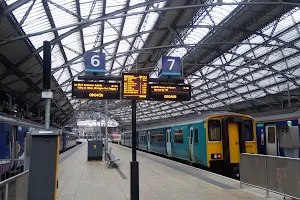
{"x":273,"y":173}
{"x":15,"y":188}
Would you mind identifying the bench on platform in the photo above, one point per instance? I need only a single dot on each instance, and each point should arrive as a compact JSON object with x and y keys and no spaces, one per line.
{"x":112,"y":159}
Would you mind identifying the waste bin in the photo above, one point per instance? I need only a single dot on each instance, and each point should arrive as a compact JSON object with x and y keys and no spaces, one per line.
{"x":95,"y":150}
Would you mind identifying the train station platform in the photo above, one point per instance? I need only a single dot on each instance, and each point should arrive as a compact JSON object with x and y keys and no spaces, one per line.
{"x":160,"y":179}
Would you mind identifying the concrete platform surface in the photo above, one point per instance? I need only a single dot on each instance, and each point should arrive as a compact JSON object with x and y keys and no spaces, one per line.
{"x":160,"y":179}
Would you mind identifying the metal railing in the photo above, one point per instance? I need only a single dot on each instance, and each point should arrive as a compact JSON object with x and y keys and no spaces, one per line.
{"x":15,"y":188}
{"x":10,"y":168}
{"x":280,"y":175}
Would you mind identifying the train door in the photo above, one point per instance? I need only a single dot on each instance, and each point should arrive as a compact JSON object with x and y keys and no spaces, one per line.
{"x":191,"y":143}
{"x":148,"y":140}
{"x":271,"y":137}
{"x":168,"y":139}
{"x":14,"y":146}
{"x":14,"y":143}
{"x":234,"y":146}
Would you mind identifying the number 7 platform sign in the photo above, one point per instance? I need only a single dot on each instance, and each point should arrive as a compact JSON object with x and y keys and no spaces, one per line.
{"x":94,"y":62}
{"x":169,"y":66}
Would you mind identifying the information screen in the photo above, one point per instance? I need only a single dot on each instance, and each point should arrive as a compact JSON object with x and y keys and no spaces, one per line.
{"x":170,"y":92}
{"x":91,"y":90}
{"x":135,"y":86}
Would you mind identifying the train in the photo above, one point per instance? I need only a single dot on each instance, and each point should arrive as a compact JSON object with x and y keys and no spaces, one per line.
{"x":279,"y":135}
{"x":213,"y":140}
{"x":115,"y":137}
{"x":13,"y":132}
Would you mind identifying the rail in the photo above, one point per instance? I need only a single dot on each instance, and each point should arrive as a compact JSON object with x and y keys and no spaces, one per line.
{"x":280,"y":175}
{"x":15,"y":188}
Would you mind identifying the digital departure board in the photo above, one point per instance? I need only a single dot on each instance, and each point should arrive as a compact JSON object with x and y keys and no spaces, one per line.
{"x":93,"y":90}
{"x":170,"y":92}
{"x":135,"y":86}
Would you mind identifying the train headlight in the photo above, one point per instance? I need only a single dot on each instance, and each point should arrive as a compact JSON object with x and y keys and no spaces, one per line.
{"x":216,"y":156}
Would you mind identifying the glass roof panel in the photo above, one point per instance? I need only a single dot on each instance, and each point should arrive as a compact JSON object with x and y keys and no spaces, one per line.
{"x":90,"y":9}
{"x":72,"y":46}
{"x":65,"y":16}
{"x":244,"y":68}
{"x":57,"y":57}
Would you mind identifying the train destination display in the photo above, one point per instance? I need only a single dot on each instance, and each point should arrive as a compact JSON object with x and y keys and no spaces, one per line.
{"x":135,"y":86}
{"x":94,"y":90}
{"x":171,"y":92}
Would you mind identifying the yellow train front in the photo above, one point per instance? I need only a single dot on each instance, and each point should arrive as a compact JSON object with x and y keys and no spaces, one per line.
{"x":227,"y":137}
{"x":213,"y":140}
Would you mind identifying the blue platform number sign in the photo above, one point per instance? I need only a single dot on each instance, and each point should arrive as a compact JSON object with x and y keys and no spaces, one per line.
{"x":94,"y":62}
{"x":169,"y":66}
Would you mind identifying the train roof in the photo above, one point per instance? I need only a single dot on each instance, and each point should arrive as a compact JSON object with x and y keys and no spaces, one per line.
{"x":4,"y":118}
{"x":70,"y":133}
{"x":186,"y":120}
{"x":281,"y":117}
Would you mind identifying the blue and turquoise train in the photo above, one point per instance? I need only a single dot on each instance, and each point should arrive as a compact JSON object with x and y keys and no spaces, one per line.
{"x":13,"y":131}
{"x":213,"y":140}
{"x":279,"y":135}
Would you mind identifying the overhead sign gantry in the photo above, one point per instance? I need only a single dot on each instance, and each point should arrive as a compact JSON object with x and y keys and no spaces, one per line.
{"x":173,"y":92}
{"x":132,"y":86}
{"x":135,"y":86}
{"x":95,"y":90}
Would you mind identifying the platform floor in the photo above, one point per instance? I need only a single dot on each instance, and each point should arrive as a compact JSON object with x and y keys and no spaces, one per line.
{"x":160,"y":179}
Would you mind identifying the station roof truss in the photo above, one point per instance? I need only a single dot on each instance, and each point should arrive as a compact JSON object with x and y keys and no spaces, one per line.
{"x":238,"y":55}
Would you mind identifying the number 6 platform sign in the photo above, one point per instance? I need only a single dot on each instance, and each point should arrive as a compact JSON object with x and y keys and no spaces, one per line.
{"x":94,"y":62}
{"x":169,"y":66}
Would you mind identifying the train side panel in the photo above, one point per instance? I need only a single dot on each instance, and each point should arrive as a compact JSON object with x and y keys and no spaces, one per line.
{"x":4,"y":141}
{"x":157,"y":141}
{"x":261,"y":138}
{"x":180,"y":142}
{"x":142,"y":140}
{"x":200,"y":152}
{"x":268,"y":137}
{"x":70,"y":140}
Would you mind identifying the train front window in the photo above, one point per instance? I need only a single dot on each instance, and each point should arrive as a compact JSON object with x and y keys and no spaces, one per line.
{"x":214,"y":130}
{"x":248,"y":130}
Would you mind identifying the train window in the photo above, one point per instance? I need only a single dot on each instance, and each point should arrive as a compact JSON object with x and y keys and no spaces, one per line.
{"x":7,"y":137}
{"x":214,"y":130}
{"x":196,"y":136}
{"x":248,"y":130}
{"x":159,"y":136}
{"x":178,"y":136}
{"x":153,"y":136}
{"x":271,"y":135}
{"x":16,"y":129}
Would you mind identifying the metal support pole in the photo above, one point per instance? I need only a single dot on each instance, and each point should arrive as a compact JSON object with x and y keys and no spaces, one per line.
{"x":47,"y":81}
{"x":134,"y":165}
{"x":6,"y":191}
{"x":267,"y":187}
{"x":100,"y":129}
{"x":106,"y":139}
{"x":47,"y":113}
{"x":289,"y":95}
